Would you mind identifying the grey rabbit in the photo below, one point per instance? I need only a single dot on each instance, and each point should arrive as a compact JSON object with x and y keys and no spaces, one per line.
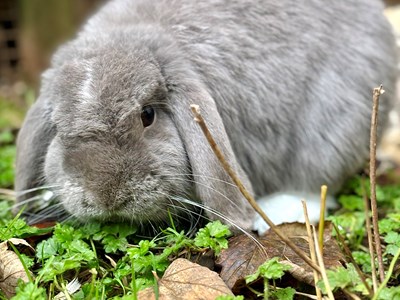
{"x":284,"y":86}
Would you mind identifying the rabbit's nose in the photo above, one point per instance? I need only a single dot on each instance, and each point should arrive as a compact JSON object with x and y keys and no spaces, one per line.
{"x":108,"y":192}
{"x":111,"y":200}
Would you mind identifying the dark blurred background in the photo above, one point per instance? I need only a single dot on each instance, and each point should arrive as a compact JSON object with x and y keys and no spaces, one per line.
{"x":31,"y":29}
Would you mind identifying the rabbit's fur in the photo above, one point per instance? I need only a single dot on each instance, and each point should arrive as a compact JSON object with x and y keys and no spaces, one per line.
{"x":284,"y":86}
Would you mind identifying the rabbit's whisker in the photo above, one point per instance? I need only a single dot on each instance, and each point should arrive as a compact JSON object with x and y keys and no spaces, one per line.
{"x":39,"y":188}
{"x":206,"y":186}
{"x":199,"y":176}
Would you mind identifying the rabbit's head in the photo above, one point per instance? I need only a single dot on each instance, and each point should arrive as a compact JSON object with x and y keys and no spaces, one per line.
{"x":126,"y":145}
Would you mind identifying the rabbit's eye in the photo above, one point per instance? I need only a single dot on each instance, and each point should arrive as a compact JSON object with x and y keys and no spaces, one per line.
{"x":148,"y":115}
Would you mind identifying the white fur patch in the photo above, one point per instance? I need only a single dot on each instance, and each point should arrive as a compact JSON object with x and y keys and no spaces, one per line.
{"x":287,"y":207}
{"x":48,"y":195}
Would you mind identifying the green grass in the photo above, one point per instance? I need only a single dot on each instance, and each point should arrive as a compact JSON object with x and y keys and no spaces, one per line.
{"x":12,"y":114}
{"x":81,"y":252}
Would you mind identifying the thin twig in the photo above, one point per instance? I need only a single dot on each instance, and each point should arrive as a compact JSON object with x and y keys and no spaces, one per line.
{"x":7,"y":192}
{"x":199,"y":119}
{"x":369,"y":235}
{"x":372,"y":173}
{"x":351,"y":295}
{"x":312,"y":248}
{"x":322,"y":266}
{"x":301,"y":294}
{"x":350,"y":256}
{"x":321,"y":225}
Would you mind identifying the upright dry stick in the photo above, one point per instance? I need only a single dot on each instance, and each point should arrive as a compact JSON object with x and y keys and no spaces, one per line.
{"x":321,"y":225}
{"x":199,"y":119}
{"x":372,"y":175}
{"x":322,"y":266}
{"x":369,"y":236}
{"x":312,"y":248}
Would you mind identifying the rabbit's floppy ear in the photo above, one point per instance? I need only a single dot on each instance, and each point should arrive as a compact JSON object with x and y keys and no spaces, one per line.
{"x":33,"y":140}
{"x":213,"y":185}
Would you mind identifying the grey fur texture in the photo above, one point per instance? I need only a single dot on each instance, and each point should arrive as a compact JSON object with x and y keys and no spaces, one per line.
{"x":285,"y":87}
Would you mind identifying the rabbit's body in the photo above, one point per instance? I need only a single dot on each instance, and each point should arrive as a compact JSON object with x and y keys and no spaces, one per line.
{"x":285,"y":87}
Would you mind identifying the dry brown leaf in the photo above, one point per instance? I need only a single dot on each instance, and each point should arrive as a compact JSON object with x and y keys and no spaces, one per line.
{"x":11,"y":270}
{"x":16,"y":242}
{"x":184,"y":280}
{"x":244,"y":255}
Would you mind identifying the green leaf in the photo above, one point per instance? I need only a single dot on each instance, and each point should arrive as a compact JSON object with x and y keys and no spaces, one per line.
{"x":112,"y":244}
{"x":392,"y":238}
{"x":120,"y":229}
{"x":47,"y":248}
{"x":229,"y":297}
{"x":113,"y":236}
{"x":29,"y":290}
{"x":90,"y":229}
{"x":65,"y":233}
{"x":284,"y":294}
{"x":5,"y":211}
{"x":6,"y":136}
{"x":213,"y":236}
{"x":271,"y":269}
{"x":15,"y":228}
{"x":57,"y":266}
{"x":28,"y":261}
{"x":82,"y":249}
{"x":351,"y":225}
{"x":122,"y":269}
{"x":252,"y":277}
{"x":391,"y":249}
{"x":352,"y":202}
{"x":363,"y":259}
{"x":341,"y":278}
{"x":142,"y":249}
{"x":390,"y":223}
{"x":218,"y":230}
{"x":7,"y":154}
{"x":392,"y":293}
{"x":393,"y":243}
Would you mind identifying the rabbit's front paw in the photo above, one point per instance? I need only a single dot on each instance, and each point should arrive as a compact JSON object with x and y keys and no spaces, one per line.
{"x":286,"y":207}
